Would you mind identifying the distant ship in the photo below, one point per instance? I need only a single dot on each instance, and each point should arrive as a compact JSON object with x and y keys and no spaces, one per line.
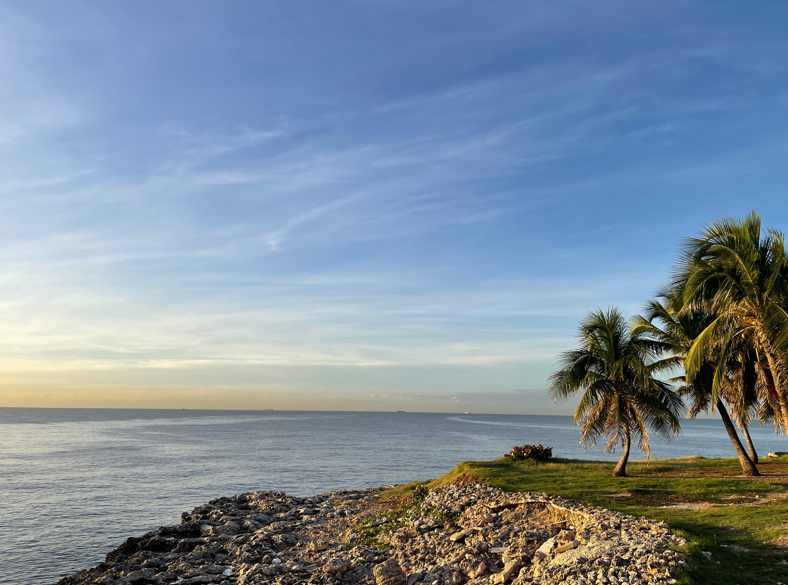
{"x":467,"y":412}
{"x":402,"y":411}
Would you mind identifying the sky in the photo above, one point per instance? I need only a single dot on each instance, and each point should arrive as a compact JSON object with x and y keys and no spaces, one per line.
{"x":360,"y":205}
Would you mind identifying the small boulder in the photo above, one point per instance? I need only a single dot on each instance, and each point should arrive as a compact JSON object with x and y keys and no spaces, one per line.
{"x":546,"y":548}
{"x":508,"y":571}
{"x":389,"y":573}
{"x":477,"y":571}
{"x":336,"y":566}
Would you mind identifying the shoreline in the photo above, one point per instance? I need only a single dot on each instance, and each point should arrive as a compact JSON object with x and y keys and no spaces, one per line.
{"x":460,"y":533}
{"x":148,"y":478}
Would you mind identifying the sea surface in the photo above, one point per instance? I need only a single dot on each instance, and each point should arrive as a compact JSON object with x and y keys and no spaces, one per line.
{"x":75,"y":483}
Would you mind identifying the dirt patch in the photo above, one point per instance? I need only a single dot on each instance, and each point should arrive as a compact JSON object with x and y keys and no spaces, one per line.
{"x":660,"y":498}
{"x":692,"y":506}
{"x":619,"y":495}
{"x":771,"y":472}
{"x":736,"y":500}
{"x":756,"y":499}
{"x":781,"y":542}
{"x":465,"y":477}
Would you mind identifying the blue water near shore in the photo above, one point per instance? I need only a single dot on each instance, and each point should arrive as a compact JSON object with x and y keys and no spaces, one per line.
{"x":75,"y":483}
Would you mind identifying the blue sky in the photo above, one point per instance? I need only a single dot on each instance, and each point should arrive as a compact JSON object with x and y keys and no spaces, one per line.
{"x":359,"y":205}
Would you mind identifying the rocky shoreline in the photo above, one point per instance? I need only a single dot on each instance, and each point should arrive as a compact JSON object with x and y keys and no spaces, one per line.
{"x":463,"y":533}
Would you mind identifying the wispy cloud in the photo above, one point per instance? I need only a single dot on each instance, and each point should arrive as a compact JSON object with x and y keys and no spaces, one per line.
{"x":332,"y":211}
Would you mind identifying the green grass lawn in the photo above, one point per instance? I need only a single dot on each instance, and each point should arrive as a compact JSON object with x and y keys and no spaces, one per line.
{"x":750,"y":514}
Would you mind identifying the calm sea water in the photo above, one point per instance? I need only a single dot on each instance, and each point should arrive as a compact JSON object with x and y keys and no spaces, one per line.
{"x":75,"y":483}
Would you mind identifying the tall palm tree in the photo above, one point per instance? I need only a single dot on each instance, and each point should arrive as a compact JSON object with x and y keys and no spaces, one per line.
{"x":621,"y":399}
{"x":667,"y":323}
{"x":738,"y":272}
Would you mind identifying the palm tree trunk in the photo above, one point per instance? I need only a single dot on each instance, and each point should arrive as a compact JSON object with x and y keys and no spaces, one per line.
{"x":748,"y":467}
{"x":750,"y":446}
{"x":774,"y":387}
{"x":778,"y":403}
{"x":621,"y":468}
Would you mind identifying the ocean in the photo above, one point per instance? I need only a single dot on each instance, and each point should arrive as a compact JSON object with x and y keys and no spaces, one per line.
{"x":75,"y":483}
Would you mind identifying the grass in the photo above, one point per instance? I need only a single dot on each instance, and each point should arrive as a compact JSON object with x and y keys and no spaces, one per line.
{"x":368,"y":532}
{"x":742,"y":522}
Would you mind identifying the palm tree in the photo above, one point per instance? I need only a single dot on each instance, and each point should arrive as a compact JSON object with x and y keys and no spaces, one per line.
{"x":738,"y":272}
{"x":677,"y":329}
{"x":615,"y":369}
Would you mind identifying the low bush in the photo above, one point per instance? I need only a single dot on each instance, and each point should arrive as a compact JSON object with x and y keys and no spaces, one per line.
{"x":420,"y":493}
{"x":533,"y":452}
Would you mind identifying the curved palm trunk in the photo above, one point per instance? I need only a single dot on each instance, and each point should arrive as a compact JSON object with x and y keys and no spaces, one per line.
{"x":750,"y":447}
{"x":748,"y":467}
{"x":774,"y":388}
{"x":621,"y":467}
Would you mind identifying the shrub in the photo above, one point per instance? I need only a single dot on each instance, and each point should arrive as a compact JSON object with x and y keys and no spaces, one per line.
{"x":534,"y":452}
{"x":420,"y":492}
